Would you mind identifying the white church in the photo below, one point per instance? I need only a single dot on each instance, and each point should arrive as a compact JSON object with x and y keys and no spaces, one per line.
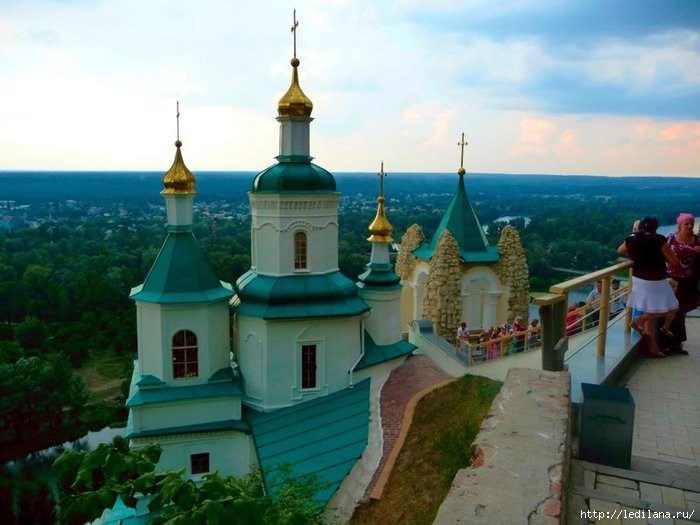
{"x":285,"y":366}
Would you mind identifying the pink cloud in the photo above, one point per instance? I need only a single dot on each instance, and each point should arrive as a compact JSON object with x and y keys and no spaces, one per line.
{"x":535,"y":137}
{"x":673,"y":132}
{"x":568,"y":145}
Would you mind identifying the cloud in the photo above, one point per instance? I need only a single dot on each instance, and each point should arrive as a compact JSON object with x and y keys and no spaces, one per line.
{"x":568,"y":146}
{"x":535,"y":137}
{"x":562,"y":86}
{"x":673,"y":132}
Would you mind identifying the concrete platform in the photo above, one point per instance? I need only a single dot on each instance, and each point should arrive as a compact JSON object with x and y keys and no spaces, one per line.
{"x":664,"y":479}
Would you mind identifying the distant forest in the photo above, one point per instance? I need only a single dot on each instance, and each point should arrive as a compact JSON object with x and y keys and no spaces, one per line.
{"x":72,"y":245}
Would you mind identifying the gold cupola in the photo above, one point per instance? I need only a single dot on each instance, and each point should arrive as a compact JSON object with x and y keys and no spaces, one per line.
{"x":380,"y":229}
{"x":179,"y":179}
{"x":295,"y":103}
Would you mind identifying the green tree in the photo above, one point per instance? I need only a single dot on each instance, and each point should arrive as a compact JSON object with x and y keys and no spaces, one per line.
{"x":39,"y":393}
{"x":31,"y":334}
{"x":91,"y":481}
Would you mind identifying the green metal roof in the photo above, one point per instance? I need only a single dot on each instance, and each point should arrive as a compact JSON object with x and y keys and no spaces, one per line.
{"x":224,"y":383}
{"x":297,"y":296}
{"x":324,"y":436}
{"x":230,"y":424}
{"x":178,"y":393}
{"x":461,"y":221}
{"x":375,"y":354}
{"x":181,"y":274}
{"x":149,"y":380}
{"x":119,"y":513}
{"x":294,"y":174}
{"x":380,"y":275}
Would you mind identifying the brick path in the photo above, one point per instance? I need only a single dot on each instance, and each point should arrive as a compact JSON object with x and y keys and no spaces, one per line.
{"x":416,"y":374}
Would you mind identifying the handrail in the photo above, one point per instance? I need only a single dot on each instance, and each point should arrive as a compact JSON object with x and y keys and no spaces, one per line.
{"x":501,"y":346}
{"x":554,"y":305}
{"x":578,"y":282}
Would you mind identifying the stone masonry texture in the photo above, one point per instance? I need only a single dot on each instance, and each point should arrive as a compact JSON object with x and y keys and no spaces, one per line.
{"x":519,"y":456}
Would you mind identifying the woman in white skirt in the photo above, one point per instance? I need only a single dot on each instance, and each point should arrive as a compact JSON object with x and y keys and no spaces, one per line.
{"x":651,"y":293}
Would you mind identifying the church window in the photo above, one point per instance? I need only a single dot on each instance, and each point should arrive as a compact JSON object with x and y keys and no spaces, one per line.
{"x":199,"y":463}
{"x":308,"y":366}
{"x":299,"y":251}
{"x":185,"y":359}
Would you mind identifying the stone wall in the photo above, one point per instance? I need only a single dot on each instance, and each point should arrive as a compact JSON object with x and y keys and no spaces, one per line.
{"x":512,"y":271}
{"x":442,"y":301}
{"x":405,"y":261}
{"x":519,"y":458}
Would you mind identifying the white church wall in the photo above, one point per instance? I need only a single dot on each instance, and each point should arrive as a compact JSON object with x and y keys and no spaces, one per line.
{"x":156,"y":325}
{"x":294,"y":136}
{"x":251,"y":355}
{"x":383,"y":324}
{"x":182,"y":413}
{"x":152,"y":360}
{"x":231,"y":453}
{"x":179,"y":209}
{"x":276,"y":346}
{"x":275,"y":219}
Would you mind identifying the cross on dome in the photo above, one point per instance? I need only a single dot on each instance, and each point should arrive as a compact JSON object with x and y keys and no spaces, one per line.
{"x":295,"y":103}
{"x":381,"y":181}
{"x":462,"y":143}
{"x":294,"y":31}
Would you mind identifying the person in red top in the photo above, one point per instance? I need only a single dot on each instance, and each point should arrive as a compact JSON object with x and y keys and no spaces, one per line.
{"x":651,"y":293}
{"x":520,"y":331}
{"x":685,"y":243}
{"x":573,"y":321}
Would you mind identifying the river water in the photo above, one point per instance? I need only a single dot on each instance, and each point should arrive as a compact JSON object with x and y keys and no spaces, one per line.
{"x":38,"y":464}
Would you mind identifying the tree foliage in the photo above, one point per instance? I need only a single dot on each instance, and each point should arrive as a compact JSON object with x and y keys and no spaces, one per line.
{"x":37,"y":393}
{"x":90,"y":482}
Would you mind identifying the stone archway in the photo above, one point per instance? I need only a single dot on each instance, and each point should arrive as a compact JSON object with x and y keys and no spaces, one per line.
{"x":481,"y":293}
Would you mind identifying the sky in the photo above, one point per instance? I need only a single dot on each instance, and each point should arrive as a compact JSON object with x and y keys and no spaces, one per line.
{"x":596,"y":87}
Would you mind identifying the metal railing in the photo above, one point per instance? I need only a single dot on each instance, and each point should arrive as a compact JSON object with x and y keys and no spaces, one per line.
{"x":479,"y":348}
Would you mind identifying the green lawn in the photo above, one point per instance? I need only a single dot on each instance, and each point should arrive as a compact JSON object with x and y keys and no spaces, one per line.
{"x":438,"y":444}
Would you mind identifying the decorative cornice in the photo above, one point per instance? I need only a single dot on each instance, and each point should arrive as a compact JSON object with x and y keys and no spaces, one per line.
{"x":294,"y":205}
{"x":296,"y":225}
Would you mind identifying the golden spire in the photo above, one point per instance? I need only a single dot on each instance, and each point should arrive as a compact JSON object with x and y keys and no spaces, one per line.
{"x":178,"y":179}
{"x":295,"y":103}
{"x":462,"y":143}
{"x":380,"y":228}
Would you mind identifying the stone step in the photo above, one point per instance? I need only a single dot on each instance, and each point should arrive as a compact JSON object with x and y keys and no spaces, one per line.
{"x":623,"y":493}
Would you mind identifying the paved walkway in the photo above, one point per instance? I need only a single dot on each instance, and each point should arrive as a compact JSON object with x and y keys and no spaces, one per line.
{"x":664,"y":479}
{"x":667,"y":397}
{"x":417,"y":374}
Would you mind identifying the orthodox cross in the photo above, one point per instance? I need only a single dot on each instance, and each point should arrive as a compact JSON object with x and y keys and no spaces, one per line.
{"x":294,"y":32}
{"x":462,"y":143}
{"x":381,"y":180}
{"x":177,"y":118}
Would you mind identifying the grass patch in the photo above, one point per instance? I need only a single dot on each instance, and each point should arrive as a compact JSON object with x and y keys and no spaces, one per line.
{"x":104,"y":374}
{"x":444,"y":426}
{"x":113,"y":366}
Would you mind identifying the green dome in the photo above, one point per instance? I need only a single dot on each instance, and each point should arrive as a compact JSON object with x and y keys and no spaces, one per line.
{"x":294,"y":177}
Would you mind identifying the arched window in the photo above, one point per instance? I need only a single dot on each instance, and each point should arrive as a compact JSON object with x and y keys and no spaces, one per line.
{"x":185,"y":358}
{"x":299,"y":251}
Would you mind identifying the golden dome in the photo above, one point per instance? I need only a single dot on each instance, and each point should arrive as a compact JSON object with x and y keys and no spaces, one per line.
{"x":178,"y":179}
{"x":380,"y":228}
{"x":295,"y":103}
